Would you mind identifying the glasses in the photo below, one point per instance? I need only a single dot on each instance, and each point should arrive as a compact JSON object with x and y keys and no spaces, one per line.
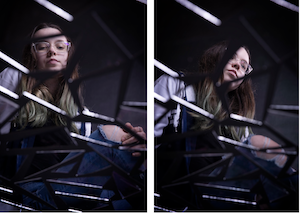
{"x":245,"y":67}
{"x":44,"y":47}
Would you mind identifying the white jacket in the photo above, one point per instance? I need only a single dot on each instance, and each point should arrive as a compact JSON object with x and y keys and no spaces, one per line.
{"x":9,"y":79}
{"x":167,"y":86}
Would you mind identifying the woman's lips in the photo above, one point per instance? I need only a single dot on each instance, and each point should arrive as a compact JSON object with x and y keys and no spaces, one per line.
{"x":52,"y":61}
{"x":233,"y":72}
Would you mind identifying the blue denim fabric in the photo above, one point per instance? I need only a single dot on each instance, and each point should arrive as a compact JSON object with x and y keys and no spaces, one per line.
{"x":91,"y":162}
{"x":27,"y":142}
{"x":240,"y":166}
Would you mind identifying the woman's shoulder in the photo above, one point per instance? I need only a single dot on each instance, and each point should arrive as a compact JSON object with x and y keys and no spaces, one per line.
{"x":166,"y":79}
{"x":173,"y":85}
{"x":9,"y":78}
{"x":9,"y":71}
{"x":169,"y":83}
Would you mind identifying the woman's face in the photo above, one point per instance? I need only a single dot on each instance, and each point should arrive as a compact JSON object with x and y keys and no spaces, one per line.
{"x":235,"y":68}
{"x":53,"y":58}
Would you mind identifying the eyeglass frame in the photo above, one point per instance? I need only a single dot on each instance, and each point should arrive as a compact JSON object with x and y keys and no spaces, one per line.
{"x":249,"y":67}
{"x":69,"y":44}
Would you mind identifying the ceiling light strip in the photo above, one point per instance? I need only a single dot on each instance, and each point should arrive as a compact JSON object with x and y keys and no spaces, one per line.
{"x":165,"y":69}
{"x":287,"y":5}
{"x":204,"y":14}
{"x":14,"y":63}
{"x":55,"y":9}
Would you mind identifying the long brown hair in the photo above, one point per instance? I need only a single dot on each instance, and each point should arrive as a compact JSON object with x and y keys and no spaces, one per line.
{"x":241,"y":100}
{"x":34,"y":113}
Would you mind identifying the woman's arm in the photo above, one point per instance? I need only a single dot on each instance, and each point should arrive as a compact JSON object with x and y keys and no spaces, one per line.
{"x":166,"y":86}
{"x":9,"y":79}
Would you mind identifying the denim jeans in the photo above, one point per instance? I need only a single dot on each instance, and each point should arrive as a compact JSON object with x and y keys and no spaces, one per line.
{"x":259,"y":184}
{"x":91,"y":162}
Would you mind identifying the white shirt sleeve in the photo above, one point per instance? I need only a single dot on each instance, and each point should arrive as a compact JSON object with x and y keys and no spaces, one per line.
{"x":166,"y":86}
{"x":9,"y":79}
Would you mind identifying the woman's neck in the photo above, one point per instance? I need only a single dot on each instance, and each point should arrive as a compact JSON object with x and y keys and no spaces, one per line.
{"x":52,"y":84}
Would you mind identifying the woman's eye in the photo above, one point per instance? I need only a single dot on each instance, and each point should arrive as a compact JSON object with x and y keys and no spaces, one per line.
{"x":41,"y":47}
{"x":244,"y":65}
{"x":60,"y":46}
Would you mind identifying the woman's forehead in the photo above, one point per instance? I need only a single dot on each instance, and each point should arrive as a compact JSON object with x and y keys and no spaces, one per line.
{"x":48,"y":32}
{"x":242,"y":54}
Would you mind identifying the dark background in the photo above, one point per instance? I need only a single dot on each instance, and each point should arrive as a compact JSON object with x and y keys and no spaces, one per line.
{"x":182,"y":36}
{"x":125,"y":19}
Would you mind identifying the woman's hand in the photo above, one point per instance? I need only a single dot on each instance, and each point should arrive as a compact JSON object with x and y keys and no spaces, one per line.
{"x":128,"y":138}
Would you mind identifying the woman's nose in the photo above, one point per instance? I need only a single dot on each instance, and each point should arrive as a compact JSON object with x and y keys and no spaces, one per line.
{"x":52,"y":50}
{"x":236,"y":65}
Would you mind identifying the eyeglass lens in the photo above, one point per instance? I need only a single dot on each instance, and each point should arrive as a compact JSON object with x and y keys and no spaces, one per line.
{"x":44,"y":47}
{"x":244,"y":65}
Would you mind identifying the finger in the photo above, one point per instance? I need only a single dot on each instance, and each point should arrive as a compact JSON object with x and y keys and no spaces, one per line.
{"x":136,"y":130}
{"x":129,"y":125}
{"x":139,"y":147}
{"x":131,"y":139}
{"x":135,"y":148}
{"x":136,"y":154}
{"x":126,"y":137}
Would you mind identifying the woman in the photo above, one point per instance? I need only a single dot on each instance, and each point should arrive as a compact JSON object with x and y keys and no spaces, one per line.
{"x":203,"y":94}
{"x":52,"y":54}
{"x":240,"y":94}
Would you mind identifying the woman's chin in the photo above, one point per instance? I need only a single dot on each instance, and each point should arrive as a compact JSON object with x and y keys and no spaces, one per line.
{"x":55,"y":68}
